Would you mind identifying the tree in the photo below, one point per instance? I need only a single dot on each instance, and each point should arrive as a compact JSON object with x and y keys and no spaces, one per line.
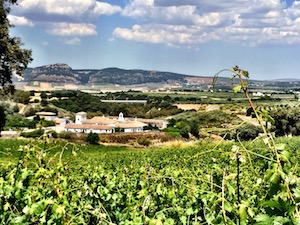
{"x":195,"y":129}
{"x":2,"y":118}
{"x":13,"y":57}
{"x":92,"y":138}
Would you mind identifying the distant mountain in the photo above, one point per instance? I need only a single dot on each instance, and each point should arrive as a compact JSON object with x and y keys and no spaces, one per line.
{"x":288,"y":80}
{"x":62,"y":73}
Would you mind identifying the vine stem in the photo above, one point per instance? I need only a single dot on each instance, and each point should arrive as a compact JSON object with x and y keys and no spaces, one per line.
{"x":267,"y":135}
{"x":223,"y":196}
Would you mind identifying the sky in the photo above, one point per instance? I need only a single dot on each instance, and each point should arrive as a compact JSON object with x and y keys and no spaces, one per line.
{"x":195,"y":37}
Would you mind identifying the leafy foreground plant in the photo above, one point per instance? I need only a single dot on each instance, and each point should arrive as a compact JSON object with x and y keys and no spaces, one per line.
{"x":280,"y":204}
{"x":38,"y":191}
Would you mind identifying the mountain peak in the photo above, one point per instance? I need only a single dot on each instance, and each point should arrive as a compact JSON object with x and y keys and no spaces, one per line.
{"x":57,"y":66}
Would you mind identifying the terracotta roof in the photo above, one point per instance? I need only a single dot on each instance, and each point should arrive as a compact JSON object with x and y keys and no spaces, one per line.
{"x":100,"y":120}
{"x":59,"y":120}
{"x":88,"y":126}
{"x":131,"y":124}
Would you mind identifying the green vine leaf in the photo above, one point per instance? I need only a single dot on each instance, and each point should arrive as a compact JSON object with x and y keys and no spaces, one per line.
{"x":245,"y":73}
{"x":237,"y":88}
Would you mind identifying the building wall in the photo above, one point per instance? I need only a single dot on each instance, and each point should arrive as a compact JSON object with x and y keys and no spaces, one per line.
{"x":79,"y":118}
{"x":132,"y":130}
{"x":87,"y":131}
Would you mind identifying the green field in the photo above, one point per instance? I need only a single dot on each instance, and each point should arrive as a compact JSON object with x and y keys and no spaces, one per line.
{"x":172,"y":185}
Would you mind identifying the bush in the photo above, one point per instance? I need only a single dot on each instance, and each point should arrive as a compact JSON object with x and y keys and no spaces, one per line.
{"x":92,"y":138}
{"x":248,"y":132}
{"x":16,"y":109}
{"x":33,"y":134}
{"x":65,"y":136}
{"x":144,"y":141}
{"x":53,"y":134}
{"x":172,"y":131}
{"x":184,"y":132}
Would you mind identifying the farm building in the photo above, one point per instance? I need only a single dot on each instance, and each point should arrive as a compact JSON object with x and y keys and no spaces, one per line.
{"x":102,"y":124}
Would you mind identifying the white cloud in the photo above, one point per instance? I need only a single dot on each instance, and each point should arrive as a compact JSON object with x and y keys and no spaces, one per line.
{"x":62,"y":18}
{"x":103,"y":8}
{"x":19,"y":21}
{"x":72,"y":29}
{"x":72,"y":41}
{"x":74,"y":9}
{"x":191,"y":22}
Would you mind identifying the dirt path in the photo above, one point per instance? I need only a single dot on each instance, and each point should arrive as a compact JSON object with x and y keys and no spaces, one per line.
{"x":212,"y":108}
{"x":22,"y":108}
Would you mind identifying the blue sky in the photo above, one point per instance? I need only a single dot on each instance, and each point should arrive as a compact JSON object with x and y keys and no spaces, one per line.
{"x":184,"y":36}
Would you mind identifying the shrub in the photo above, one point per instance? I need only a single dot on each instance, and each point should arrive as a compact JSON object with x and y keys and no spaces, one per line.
{"x":144,"y":141}
{"x":92,"y":138}
{"x":65,"y":136}
{"x":53,"y":134}
{"x":172,"y":131}
{"x":248,"y":132}
{"x":16,"y":109}
{"x":33,"y":134}
{"x":184,"y":132}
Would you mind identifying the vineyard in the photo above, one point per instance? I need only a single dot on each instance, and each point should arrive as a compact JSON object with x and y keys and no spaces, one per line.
{"x":64,"y":183}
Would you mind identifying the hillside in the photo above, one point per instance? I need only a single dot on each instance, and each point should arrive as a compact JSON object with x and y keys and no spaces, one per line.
{"x":62,"y":73}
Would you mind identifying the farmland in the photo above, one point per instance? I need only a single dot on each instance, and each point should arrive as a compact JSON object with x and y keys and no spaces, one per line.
{"x":209,"y":175}
{"x":86,"y":184}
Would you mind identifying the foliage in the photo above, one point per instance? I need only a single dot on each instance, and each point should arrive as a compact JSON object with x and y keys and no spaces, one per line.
{"x":33,"y":134}
{"x":2,"y":118}
{"x":21,"y":96}
{"x":144,"y":141}
{"x":79,"y":101}
{"x":92,"y":138}
{"x":248,"y":132}
{"x":66,"y":136}
{"x":16,"y":109}
{"x":13,"y":57}
{"x":170,"y":185}
{"x":18,"y":121}
{"x":172,"y":131}
{"x":286,"y":120}
{"x":31,"y":112}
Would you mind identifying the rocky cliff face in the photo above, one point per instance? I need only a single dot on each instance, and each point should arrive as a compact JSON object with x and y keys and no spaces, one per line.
{"x":55,"y":73}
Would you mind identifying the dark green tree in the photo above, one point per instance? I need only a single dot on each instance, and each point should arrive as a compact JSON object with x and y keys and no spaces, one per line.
{"x":92,"y":138}
{"x":13,"y":57}
{"x":2,"y":118}
{"x":195,"y":129}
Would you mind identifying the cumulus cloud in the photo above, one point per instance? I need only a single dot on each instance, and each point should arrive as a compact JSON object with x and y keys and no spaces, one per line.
{"x":74,"y":9}
{"x":72,"y":29}
{"x":62,"y":18}
{"x":19,"y":21}
{"x":192,"y":22}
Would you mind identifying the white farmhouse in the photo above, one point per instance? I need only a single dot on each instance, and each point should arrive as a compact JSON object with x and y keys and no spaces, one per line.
{"x":88,"y":128}
{"x":104,"y":125}
{"x":80,"y":117}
